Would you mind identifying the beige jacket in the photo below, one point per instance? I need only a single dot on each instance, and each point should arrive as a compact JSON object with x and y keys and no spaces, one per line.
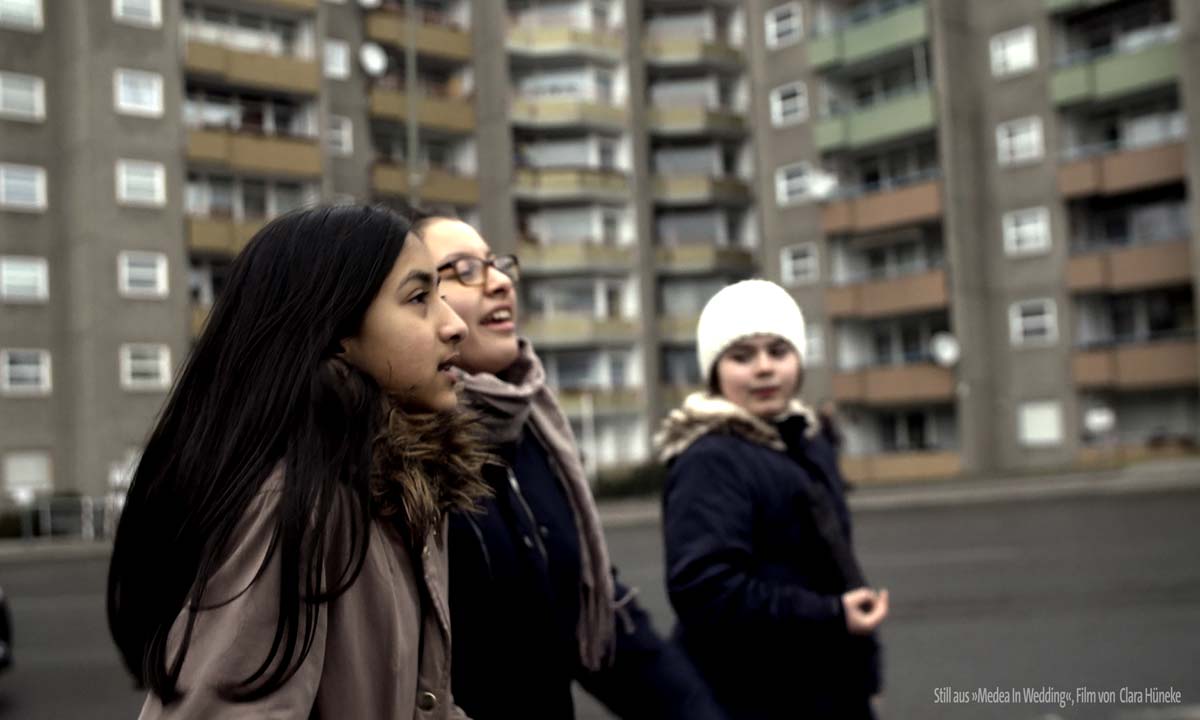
{"x":377,"y":652}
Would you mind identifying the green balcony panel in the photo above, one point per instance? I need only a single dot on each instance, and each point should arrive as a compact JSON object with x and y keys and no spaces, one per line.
{"x":1117,"y":75}
{"x":861,"y":42}
{"x":889,"y":119}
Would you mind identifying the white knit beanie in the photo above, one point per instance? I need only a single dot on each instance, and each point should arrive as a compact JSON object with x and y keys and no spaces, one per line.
{"x":750,"y":307}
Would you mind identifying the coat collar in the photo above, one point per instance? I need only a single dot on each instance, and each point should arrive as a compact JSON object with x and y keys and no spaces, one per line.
{"x":703,"y":413}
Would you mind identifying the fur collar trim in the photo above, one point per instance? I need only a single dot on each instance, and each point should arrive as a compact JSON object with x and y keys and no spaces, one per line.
{"x":702,"y":413}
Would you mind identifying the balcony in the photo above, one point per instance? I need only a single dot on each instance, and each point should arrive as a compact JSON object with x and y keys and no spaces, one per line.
{"x":304,"y":6}
{"x":704,"y":259}
{"x":901,"y":466}
{"x":436,"y":37}
{"x":1145,"y":365}
{"x":905,"y":202}
{"x":253,"y":153}
{"x":1114,"y":170}
{"x":437,"y":185}
{"x":259,"y":71}
{"x":441,"y":111}
{"x":670,"y":52}
{"x":570,"y":184}
{"x":578,"y":329}
{"x":605,"y":401}
{"x":919,"y":292}
{"x":696,"y":120}
{"x":678,"y":329}
{"x":895,"y":385}
{"x":907,"y":113}
{"x":565,"y":41}
{"x":674,"y":395}
{"x":583,"y":257}
{"x":552,"y":113}
{"x":864,"y":38}
{"x":700,"y":190}
{"x":1131,"y":268}
{"x":1061,"y":6}
{"x":1109,"y":456}
{"x":199,"y":316}
{"x":220,"y":236}
{"x":1113,"y":76}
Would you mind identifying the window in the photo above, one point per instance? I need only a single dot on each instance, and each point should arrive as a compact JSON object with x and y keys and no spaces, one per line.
{"x":337,"y":59}
{"x":1026,"y":231}
{"x":814,"y":356}
{"x":24,"y":279}
{"x":145,"y":366}
{"x":142,"y":274}
{"x":141,"y":182}
{"x":1019,"y":140}
{"x":1039,"y":424}
{"x":792,"y":183}
{"x":25,"y":372}
{"x":27,"y":475}
{"x":21,"y":14}
{"x":789,"y":104}
{"x":798,"y":264}
{"x":138,"y":93}
{"x":1014,"y":51}
{"x":1033,"y":322}
{"x":22,"y":187}
{"x":784,"y":25}
{"x":147,"y":13}
{"x":341,"y":135}
{"x":22,"y":97}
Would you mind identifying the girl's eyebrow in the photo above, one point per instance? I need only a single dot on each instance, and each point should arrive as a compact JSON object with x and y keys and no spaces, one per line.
{"x":420,"y":276}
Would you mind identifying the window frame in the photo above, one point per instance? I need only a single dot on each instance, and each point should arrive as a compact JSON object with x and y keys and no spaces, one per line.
{"x":781,"y":183}
{"x":43,"y":290}
{"x":160,"y":183}
{"x":162,"y":287}
{"x":1002,"y":40}
{"x":39,"y":99}
{"x":771,"y":26}
{"x":46,"y":368}
{"x":155,"y":20}
{"x":1024,"y":411}
{"x":126,"y":362}
{"x":138,"y":110}
{"x":38,"y":24}
{"x":788,"y":266}
{"x":327,"y":70}
{"x":1016,"y":324}
{"x":343,"y":129}
{"x":39,"y":184}
{"x":1004,"y":141}
{"x":778,"y":119}
{"x":814,"y":338}
{"x":1011,"y":232}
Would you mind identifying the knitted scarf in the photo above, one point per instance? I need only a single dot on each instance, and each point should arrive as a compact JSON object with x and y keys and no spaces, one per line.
{"x":507,"y":403}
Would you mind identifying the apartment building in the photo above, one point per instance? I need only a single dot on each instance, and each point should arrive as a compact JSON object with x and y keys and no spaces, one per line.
{"x":983,"y":208}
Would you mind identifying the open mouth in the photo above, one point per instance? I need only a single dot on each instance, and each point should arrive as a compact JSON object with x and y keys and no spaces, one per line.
{"x":449,"y":364}
{"x":499,"y":316}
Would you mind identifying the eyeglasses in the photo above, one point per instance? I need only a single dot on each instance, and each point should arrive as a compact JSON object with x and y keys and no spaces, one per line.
{"x":473,"y":271}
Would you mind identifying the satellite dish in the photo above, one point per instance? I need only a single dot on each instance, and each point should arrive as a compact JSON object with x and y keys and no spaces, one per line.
{"x":822,"y":184}
{"x":370,"y":4}
{"x":1100,"y":420}
{"x":373,"y":59}
{"x":945,"y":349}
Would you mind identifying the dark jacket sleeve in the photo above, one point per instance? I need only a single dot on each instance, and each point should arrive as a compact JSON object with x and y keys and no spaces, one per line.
{"x":649,"y":677}
{"x":708,"y":515}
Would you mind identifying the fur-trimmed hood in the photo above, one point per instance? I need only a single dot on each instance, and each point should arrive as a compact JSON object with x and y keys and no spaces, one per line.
{"x":702,"y":413}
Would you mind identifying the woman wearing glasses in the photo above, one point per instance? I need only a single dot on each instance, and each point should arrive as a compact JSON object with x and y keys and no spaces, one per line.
{"x":535,"y":605}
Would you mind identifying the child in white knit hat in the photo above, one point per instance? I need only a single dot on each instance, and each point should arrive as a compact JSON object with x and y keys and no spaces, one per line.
{"x":772,"y":604}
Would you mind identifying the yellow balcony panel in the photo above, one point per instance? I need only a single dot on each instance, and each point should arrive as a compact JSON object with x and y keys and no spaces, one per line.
{"x":579,"y":329}
{"x":570,"y":183}
{"x":575,"y":257}
{"x":704,"y":259}
{"x":686,"y":51}
{"x":1138,"y":366}
{"x":550,"y":113}
{"x":899,"y":385}
{"x":434,"y":39}
{"x":915,"y":293}
{"x":262,"y":154}
{"x":437,"y":185}
{"x":1110,"y":456}
{"x":605,"y":401}
{"x":1123,"y":171}
{"x":680,"y":329}
{"x":917,"y":203}
{"x":698,"y":120}
{"x":887,"y":468}
{"x":448,"y":114}
{"x":700,"y":190}
{"x":199,"y":316}
{"x":220,"y":236}
{"x":1133,"y":268}
{"x":304,"y":6}
{"x":253,"y":70}
{"x":565,"y":41}
{"x":674,"y":395}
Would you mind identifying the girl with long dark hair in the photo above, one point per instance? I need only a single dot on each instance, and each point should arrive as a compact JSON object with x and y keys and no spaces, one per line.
{"x":280,"y":552}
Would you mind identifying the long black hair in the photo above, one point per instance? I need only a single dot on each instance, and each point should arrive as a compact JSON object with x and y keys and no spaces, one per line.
{"x":262,"y":388}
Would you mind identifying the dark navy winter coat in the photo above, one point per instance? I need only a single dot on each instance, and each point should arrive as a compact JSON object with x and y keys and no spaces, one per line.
{"x":514,"y":604}
{"x":755,"y":588}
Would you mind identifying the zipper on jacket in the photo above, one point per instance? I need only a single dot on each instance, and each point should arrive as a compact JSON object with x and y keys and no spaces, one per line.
{"x":533,"y":523}
{"x":487,"y":557}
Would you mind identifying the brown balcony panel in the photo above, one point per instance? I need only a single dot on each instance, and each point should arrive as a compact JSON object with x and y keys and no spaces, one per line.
{"x":899,"y":296}
{"x":220,"y":236}
{"x":1157,"y":365}
{"x":1134,"y":268}
{"x":454,"y":115}
{"x":882,"y":210}
{"x":436,"y":185}
{"x":1123,"y":171}
{"x":842,"y":301}
{"x":575,"y":256}
{"x":908,"y":384}
{"x":298,"y":5}
{"x":255,"y":153}
{"x":849,"y":387}
{"x":1086,"y":273}
{"x":1094,"y":368}
{"x":199,"y":318}
{"x":552,"y":183}
{"x":1117,"y":455}
{"x":560,"y":113}
{"x":703,"y":258}
{"x":895,"y":467}
{"x":254,"y":70}
{"x":678,"y":328}
{"x":604,"y":401}
{"x":441,"y":41}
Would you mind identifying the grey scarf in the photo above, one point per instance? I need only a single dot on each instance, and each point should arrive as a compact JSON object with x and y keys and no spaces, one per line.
{"x":519,"y":396}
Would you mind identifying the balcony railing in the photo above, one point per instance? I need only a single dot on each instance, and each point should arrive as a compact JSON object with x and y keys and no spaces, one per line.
{"x":837,"y":109}
{"x":243,"y":39}
{"x":861,"y":14}
{"x":1137,"y":338}
{"x":890,"y":272}
{"x":1173,"y":129}
{"x":1128,"y":43}
{"x":847,"y":192}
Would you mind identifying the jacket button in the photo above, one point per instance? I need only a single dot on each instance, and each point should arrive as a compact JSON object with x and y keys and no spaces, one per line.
{"x":528,"y":542}
{"x":545,"y":531}
{"x":427,"y":701}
